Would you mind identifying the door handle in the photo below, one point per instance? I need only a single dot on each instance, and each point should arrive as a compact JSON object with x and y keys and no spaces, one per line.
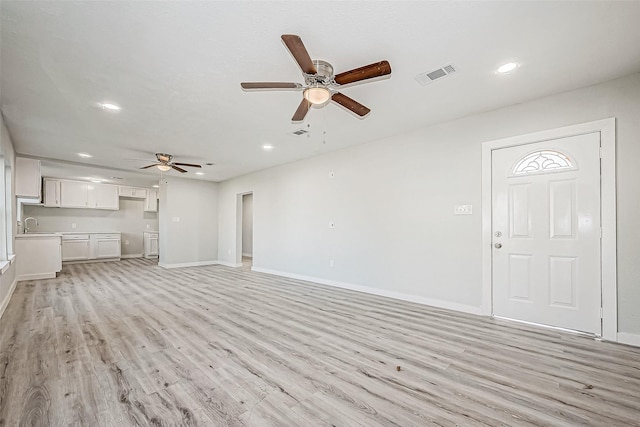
{"x":497,"y":245}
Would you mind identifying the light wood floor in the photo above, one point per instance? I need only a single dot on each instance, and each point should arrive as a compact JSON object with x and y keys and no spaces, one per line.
{"x":129,"y":343}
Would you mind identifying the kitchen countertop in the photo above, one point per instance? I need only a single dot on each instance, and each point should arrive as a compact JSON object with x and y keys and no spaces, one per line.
{"x":89,"y":232}
{"x":36,"y":234}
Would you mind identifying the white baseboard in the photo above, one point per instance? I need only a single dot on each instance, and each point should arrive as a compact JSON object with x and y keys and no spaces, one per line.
{"x":131,"y":256}
{"x":188,"y":264}
{"x":629,"y":339}
{"x":37,"y":276}
{"x":230,"y":264}
{"x":5,"y":302}
{"x":247,"y":255}
{"x":380,"y":292}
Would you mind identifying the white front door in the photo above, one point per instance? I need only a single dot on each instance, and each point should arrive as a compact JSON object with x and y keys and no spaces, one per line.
{"x":546,"y":232}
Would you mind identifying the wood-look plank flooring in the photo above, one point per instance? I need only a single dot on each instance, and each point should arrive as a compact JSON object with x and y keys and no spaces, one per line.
{"x":129,"y":343}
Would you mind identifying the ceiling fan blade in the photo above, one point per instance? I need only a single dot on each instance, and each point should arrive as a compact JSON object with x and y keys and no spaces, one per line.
{"x":150,"y":166}
{"x":378,"y":69}
{"x":299,"y":52}
{"x":302,"y":110}
{"x":270,"y":85}
{"x":187,"y":164}
{"x":350,"y":104}
{"x":178,"y":169}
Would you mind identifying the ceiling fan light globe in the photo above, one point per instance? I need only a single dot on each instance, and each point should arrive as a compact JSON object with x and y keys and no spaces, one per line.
{"x":317,"y":95}
{"x":164,"y":168}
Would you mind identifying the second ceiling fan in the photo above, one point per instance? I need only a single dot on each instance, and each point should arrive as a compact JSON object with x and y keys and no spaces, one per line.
{"x":321,"y":85}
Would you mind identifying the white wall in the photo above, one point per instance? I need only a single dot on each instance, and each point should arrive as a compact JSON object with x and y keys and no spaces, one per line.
{"x":247,"y":225}
{"x":131,"y":220}
{"x":7,"y":279}
{"x":193,"y":238}
{"x":392,"y":202}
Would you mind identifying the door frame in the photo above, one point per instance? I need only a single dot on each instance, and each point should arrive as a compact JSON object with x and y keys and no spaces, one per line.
{"x":607,"y":129}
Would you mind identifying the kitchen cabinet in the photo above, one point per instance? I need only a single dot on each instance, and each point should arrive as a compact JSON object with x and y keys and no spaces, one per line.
{"x":104,"y":196}
{"x":28,"y":178}
{"x":75,"y":247}
{"x":150,"y":244}
{"x":136,"y":193}
{"x":106,"y":246}
{"x":51,"y":197}
{"x":38,"y":256}
{"x":90,"y":246}
{"x":151,"y":202}
{"x":78,"y":194}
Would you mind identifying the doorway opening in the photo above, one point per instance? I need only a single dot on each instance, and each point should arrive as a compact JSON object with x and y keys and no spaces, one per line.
{"x":246,"y":249}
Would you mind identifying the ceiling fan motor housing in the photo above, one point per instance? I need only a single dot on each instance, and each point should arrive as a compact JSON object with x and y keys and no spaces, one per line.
{"x":324,"y":75}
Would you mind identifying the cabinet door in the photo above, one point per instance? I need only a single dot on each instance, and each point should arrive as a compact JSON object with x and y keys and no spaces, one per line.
{"x":74,"y":194}
{"x":153,"y":246}
{"x":74,"y":250}
{"x":107,"y":248}
{"x":52,"y":193}
{"x":104,"y":196}
{"x":28,"y":180}
{"x":151,"y":202}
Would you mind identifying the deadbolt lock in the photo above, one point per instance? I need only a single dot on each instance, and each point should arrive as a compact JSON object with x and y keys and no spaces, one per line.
{"x":498,"y":234}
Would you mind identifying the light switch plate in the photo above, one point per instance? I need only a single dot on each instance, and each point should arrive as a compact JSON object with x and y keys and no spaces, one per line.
{"x":332,"y":224}
{"x":463,"y":210}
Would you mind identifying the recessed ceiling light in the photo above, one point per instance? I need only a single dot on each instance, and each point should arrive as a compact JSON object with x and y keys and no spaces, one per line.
{"x":155,"y":186}
{"x":85,"y":155}
{"x":95,"y":180}
{"x":508,"y":67}
{"x":109,"y":106}
{"x":267,"y":147}
{"x":199,"y":173}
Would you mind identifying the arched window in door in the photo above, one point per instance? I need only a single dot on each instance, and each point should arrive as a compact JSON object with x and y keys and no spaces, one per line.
{"x":543,"y":161}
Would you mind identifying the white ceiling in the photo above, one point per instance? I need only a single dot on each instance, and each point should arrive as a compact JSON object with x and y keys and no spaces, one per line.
{"x":175,"y":69}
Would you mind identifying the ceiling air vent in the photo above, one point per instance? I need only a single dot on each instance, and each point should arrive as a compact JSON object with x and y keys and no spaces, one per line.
{"x":430,"y":76}
{"x":299,"y":132}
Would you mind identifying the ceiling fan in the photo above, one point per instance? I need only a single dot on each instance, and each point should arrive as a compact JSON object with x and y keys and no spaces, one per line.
{"x":320,"y":84}
{"x":165,"y":164}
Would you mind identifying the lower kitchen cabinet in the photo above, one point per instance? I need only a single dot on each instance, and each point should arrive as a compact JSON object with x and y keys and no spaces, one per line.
{"x":150,"y":244}
{"x":75,"y":247}
{"x":90,"y":246}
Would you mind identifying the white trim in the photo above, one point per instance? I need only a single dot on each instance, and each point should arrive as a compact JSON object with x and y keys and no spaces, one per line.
{"x":629,"y":339}
{"x":11,"y":258}
{"x":188,"y":264}
{"x":607,"y":128}
{"x":35,"y":276}
{"x":4,"y":266}
{"x":132,"y":256}
{"x":375,"y":291}
{"x":5,"y":302}
{"x":229,"y":264}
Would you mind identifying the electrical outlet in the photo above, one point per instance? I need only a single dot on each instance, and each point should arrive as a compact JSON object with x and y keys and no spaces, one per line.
{"x":148,"y":226}
{"x":229,"y":252}
{"x":126,"y":242}
{"x":331,"y":263}
{"x":73,"y":225}
{"x":175,"y":219}
{"x":463,"y":210}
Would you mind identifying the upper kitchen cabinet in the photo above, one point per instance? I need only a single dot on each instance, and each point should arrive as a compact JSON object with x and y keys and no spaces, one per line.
{"x":78,"y":194}
{"x":151,"y":202}
{"x":104,"y":196}
{"x":28,"y":178}
{"x":74,"y":194}
{"x":136,"y":193}
{"x":51,"y":196}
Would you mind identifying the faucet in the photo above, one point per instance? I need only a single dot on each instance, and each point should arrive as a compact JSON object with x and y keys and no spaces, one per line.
{"x":26,"y":228}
